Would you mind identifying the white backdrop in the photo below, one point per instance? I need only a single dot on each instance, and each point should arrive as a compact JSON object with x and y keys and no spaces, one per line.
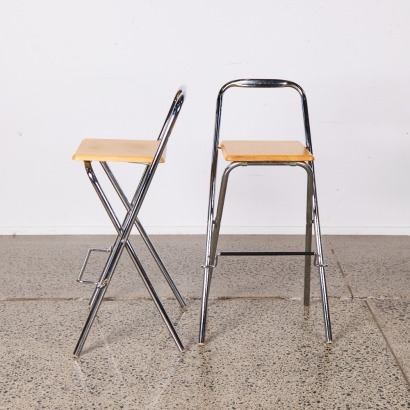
{"x":109,"y":69}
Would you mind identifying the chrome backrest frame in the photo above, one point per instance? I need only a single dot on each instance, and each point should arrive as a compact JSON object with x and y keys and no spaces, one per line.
{"x":163,"y":137}
{"x":169,"y":122}
{"x":263,"y":83}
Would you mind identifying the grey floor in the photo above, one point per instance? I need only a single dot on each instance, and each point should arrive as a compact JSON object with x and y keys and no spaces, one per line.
{"x":264,"y":350}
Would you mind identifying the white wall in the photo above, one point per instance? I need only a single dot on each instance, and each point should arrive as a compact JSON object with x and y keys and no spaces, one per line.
{"x":109,"y":69}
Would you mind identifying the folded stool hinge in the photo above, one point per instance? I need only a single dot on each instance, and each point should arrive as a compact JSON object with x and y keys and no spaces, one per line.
{"x":82,"y":270}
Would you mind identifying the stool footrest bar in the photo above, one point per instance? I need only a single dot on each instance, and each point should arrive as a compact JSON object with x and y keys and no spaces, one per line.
{"x":265,"y":253}
{"x":82,"y":270}
{"x":260,"y":254}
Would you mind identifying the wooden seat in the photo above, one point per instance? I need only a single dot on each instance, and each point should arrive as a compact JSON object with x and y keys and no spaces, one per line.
{"x":110,"y":150}
{"x":265,"y":151}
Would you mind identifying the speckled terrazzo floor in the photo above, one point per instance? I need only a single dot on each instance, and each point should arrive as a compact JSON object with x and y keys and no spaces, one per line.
{"x":264,"y":349}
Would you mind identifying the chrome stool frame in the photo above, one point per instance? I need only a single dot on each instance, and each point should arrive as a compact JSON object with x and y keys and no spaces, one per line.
{"x":124,"y":230}
{"x":312,"y":210}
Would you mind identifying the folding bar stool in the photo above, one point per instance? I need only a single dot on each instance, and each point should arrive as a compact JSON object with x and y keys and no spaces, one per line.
{"x":263,"y":153}
{"x":148,"y":153}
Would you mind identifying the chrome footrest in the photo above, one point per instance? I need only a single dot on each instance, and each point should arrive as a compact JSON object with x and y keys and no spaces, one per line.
{"x":85,"y":263}
{"x":265,"y":253}
{"x":260,"y":254}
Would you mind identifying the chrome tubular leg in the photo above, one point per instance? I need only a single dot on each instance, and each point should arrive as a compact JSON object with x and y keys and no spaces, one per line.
{"x":308,"y":238}
{"x":144,"y":235}
{"x":100,"y":292}
{"x":160,"y":264}
{"x":110,"y":211}
{"x":204,"y":305}
{"x":154,"y":296}
{"x":208,"y":269}
{"x":211,"y":246}
{"x":122,"y":240}
{"x":321,"y":264}
{"x":309,"y":167}
{"x":220,"y":208}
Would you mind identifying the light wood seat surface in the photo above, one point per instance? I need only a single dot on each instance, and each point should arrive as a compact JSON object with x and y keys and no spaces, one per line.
{"x":113,"y":150}
{"x":265,"y":151}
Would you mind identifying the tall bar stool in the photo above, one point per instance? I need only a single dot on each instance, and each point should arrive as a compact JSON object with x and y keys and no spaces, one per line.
{"x":264,"y":153}
{"x":148,"y":153}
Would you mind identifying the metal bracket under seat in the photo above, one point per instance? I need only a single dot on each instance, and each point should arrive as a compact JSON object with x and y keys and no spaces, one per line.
{"x":317,"y":264}
{"x":85,"y":263}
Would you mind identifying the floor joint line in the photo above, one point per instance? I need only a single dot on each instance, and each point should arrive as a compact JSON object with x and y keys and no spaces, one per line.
{"x":344,"y":274}
{"x":388,"y":345}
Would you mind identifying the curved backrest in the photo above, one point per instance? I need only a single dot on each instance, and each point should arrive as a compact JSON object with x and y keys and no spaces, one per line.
{"x":163,"y":137}
{"x":263,"y":83}
{"x":170,"y":122}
